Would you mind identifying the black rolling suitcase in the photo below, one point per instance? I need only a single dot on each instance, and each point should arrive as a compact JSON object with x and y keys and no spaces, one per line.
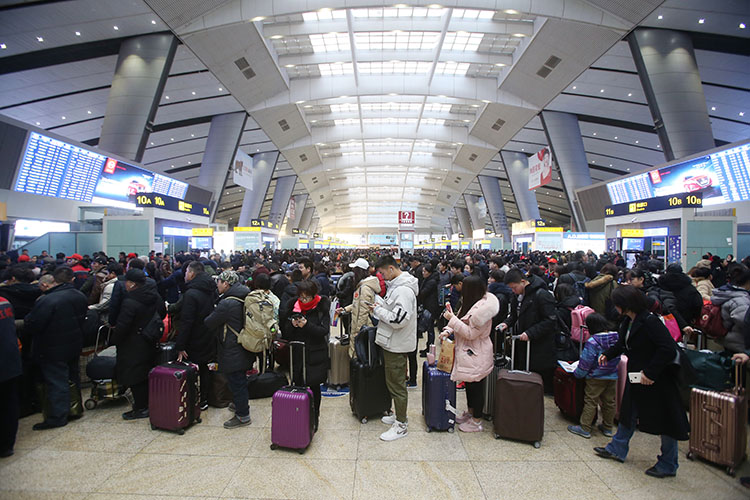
{"x":500,"y":361}
{"x":368,"y":394}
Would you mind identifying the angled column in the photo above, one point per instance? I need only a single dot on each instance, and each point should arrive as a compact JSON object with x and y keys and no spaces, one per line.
{"x":453,"y":223}
{"x":306,"y":220}
{"x":564,"y":137}
{"x":493,"y":196}
{"x":300,"y":201}
{"x":477,"y":210}
{"x":263,"y":167}
{"x":281,"y":196}
{"x":666,"y":65}
{"x":517,"y":168}
{"x":464,"y":221}
{"x":221,"y":145}
{"x":140,"y":75}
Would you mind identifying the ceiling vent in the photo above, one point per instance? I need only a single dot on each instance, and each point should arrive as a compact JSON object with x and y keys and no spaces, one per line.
{"x":473,"y":157}
{"x":303,"y":157}
{"x":314,"y":180}
{"x":284,"y":125}
{"x":322,"y":197}
{"x":499,"y":123}
{"x":244,"y":68}
{"x":548,"y":66}
{"x":447,"y":197}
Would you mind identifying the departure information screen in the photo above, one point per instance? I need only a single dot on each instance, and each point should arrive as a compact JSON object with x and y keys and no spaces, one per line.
{"x":54,"y":168}
{"x":721,"y":177}
{"x":51,"y":167}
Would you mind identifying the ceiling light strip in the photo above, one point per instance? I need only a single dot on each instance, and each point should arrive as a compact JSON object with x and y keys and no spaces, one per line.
{"x":439,"y":47}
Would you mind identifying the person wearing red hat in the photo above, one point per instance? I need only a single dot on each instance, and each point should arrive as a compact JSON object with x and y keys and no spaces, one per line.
{"x":23,"y":258}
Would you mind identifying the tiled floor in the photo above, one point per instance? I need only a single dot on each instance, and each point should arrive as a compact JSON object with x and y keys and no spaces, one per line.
{"x":101,"y":457}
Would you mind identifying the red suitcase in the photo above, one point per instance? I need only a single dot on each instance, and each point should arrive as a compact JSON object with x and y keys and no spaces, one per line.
{"x":292,"y":412}
{"x":519,"y":403}
{"x":569,"y":389}
{"x":174,"y":396}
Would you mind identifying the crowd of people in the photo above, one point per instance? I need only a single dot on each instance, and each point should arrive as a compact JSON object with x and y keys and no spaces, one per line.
{"x":52,"y":307}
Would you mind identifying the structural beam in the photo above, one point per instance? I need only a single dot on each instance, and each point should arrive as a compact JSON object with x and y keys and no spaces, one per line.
{"x":517,"y":168}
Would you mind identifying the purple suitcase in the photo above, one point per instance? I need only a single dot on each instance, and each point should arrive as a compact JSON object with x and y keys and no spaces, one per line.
{"x":173,"y":396}
{"x":292,"y":412}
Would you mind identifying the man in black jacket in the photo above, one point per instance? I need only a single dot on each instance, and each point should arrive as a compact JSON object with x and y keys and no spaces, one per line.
{"x":534,"y":320}
{"x":56,"y":327}
{"x":194,"y":341}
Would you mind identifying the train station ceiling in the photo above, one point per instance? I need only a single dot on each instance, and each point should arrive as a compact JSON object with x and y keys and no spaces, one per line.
{"x":376,"y":107}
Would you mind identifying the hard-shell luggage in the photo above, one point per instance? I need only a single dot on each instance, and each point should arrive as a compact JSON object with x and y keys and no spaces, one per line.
{"x":438,"y":399}
{"x":368,"y":394}
{"x":718,"y":425}
{"x":174,"y":396}
{"x":292,"y":412}
{"x":519,"y":403}
{"x":500,"y":361}
{"x":338,"y":353}
{"x":569,"y":390}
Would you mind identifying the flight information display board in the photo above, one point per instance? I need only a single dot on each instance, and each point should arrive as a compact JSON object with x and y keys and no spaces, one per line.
{"x":721,"y":177}
{"x":54,"y":168}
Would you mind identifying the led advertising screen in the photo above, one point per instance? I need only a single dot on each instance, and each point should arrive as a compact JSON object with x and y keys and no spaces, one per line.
{"x":721,"y":177}
{"x":120,"y":181}
{"x":51,"y":167}
{"x":633,"y":244}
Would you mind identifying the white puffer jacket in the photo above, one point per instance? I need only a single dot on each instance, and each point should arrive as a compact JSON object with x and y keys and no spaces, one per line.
{"x":397,"y":315}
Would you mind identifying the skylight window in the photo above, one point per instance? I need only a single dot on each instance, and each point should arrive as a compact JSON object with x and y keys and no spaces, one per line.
{"x":391,"y":12}
{"x":437,"y":107}
{"x":395,"y":67}
{"x":396,"y":40}
{"x":324,"y":15}
{"x":336,"y":69}
{"x":472,"y":14}
{"x":462,"y":41}
{"x":330,"y":42}
{"x":452,"y":68}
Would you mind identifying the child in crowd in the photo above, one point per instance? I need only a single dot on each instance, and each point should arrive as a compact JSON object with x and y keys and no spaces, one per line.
{"x":601,"y":381}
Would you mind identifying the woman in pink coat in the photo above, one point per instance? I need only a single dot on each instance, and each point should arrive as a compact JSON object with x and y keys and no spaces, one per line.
{"x":474,"y":353}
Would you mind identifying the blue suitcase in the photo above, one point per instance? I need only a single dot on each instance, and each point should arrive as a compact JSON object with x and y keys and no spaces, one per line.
{"x":438,"y":399}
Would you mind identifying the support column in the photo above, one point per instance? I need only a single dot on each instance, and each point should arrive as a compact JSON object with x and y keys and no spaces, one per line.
{"x":493,"y":196}
{"x":306,"y":220}
{"x":564,"y":137}
{"x":221,"y":145}
{"x":464,"y":221}
{"x":669,"y":75}
{"x":453,"y":223}
{"x":137,"y":86}
{"x":263,"y":166}
{"x":517,"y":168}
{"x":281,"y":196}
{"x":477,"y":211}
{"x":300,"y":201}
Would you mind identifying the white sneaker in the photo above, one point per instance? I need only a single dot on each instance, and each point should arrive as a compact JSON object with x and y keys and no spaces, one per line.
{"x":389,"y":419}
{"x":397,"y":431}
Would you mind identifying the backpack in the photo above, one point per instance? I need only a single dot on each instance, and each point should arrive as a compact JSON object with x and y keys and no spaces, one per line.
{"x":260,"y":326}
{"x":578,"y":330}
{"x":710,"y":321}
{"x":153,"y":330}
{"x":582,"y":291}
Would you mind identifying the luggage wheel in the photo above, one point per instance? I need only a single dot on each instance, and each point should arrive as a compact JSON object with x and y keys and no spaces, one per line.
{"x":731,"y":471}
{"x":537,"y":444}
{"x":690,"y":455}
{"x":497,"y":436}
{"x":364,"y":420}
{"x":90,"y":404}
{"x":153,"y":427}
{"x":429,"y":429}
{"x":181,"y":432}
{"x":274,"y":447}
{"x":198,"y":420}
{"x":451,"y":430}
{"x":301,"y":451}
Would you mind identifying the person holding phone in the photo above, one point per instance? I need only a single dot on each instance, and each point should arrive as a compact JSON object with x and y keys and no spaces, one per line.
{"x":654,"y":402}
{"x":473,"y":352}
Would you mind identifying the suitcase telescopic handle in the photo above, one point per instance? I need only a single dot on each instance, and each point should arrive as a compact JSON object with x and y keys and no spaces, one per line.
{"x":513,"y":352}
{"x":291,"y":360}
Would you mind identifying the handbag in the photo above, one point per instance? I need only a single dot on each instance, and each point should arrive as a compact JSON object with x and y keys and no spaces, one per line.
{"x":447,"y":353}
{"x":674,"y":328}
{"x":712,"y":370}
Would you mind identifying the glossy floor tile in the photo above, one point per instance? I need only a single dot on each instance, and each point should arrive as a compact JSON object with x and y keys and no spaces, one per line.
{"x":102,"y":457}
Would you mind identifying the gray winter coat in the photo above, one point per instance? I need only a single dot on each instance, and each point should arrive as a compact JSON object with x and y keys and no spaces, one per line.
{"x":734,"y":304}
{"x":232,"y":356}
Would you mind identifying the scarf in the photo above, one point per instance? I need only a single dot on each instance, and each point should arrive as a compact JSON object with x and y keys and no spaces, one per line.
{"x":300,"y":307}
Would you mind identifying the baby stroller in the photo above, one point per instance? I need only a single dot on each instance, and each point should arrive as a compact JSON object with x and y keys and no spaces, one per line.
{"x":101,"y":371}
